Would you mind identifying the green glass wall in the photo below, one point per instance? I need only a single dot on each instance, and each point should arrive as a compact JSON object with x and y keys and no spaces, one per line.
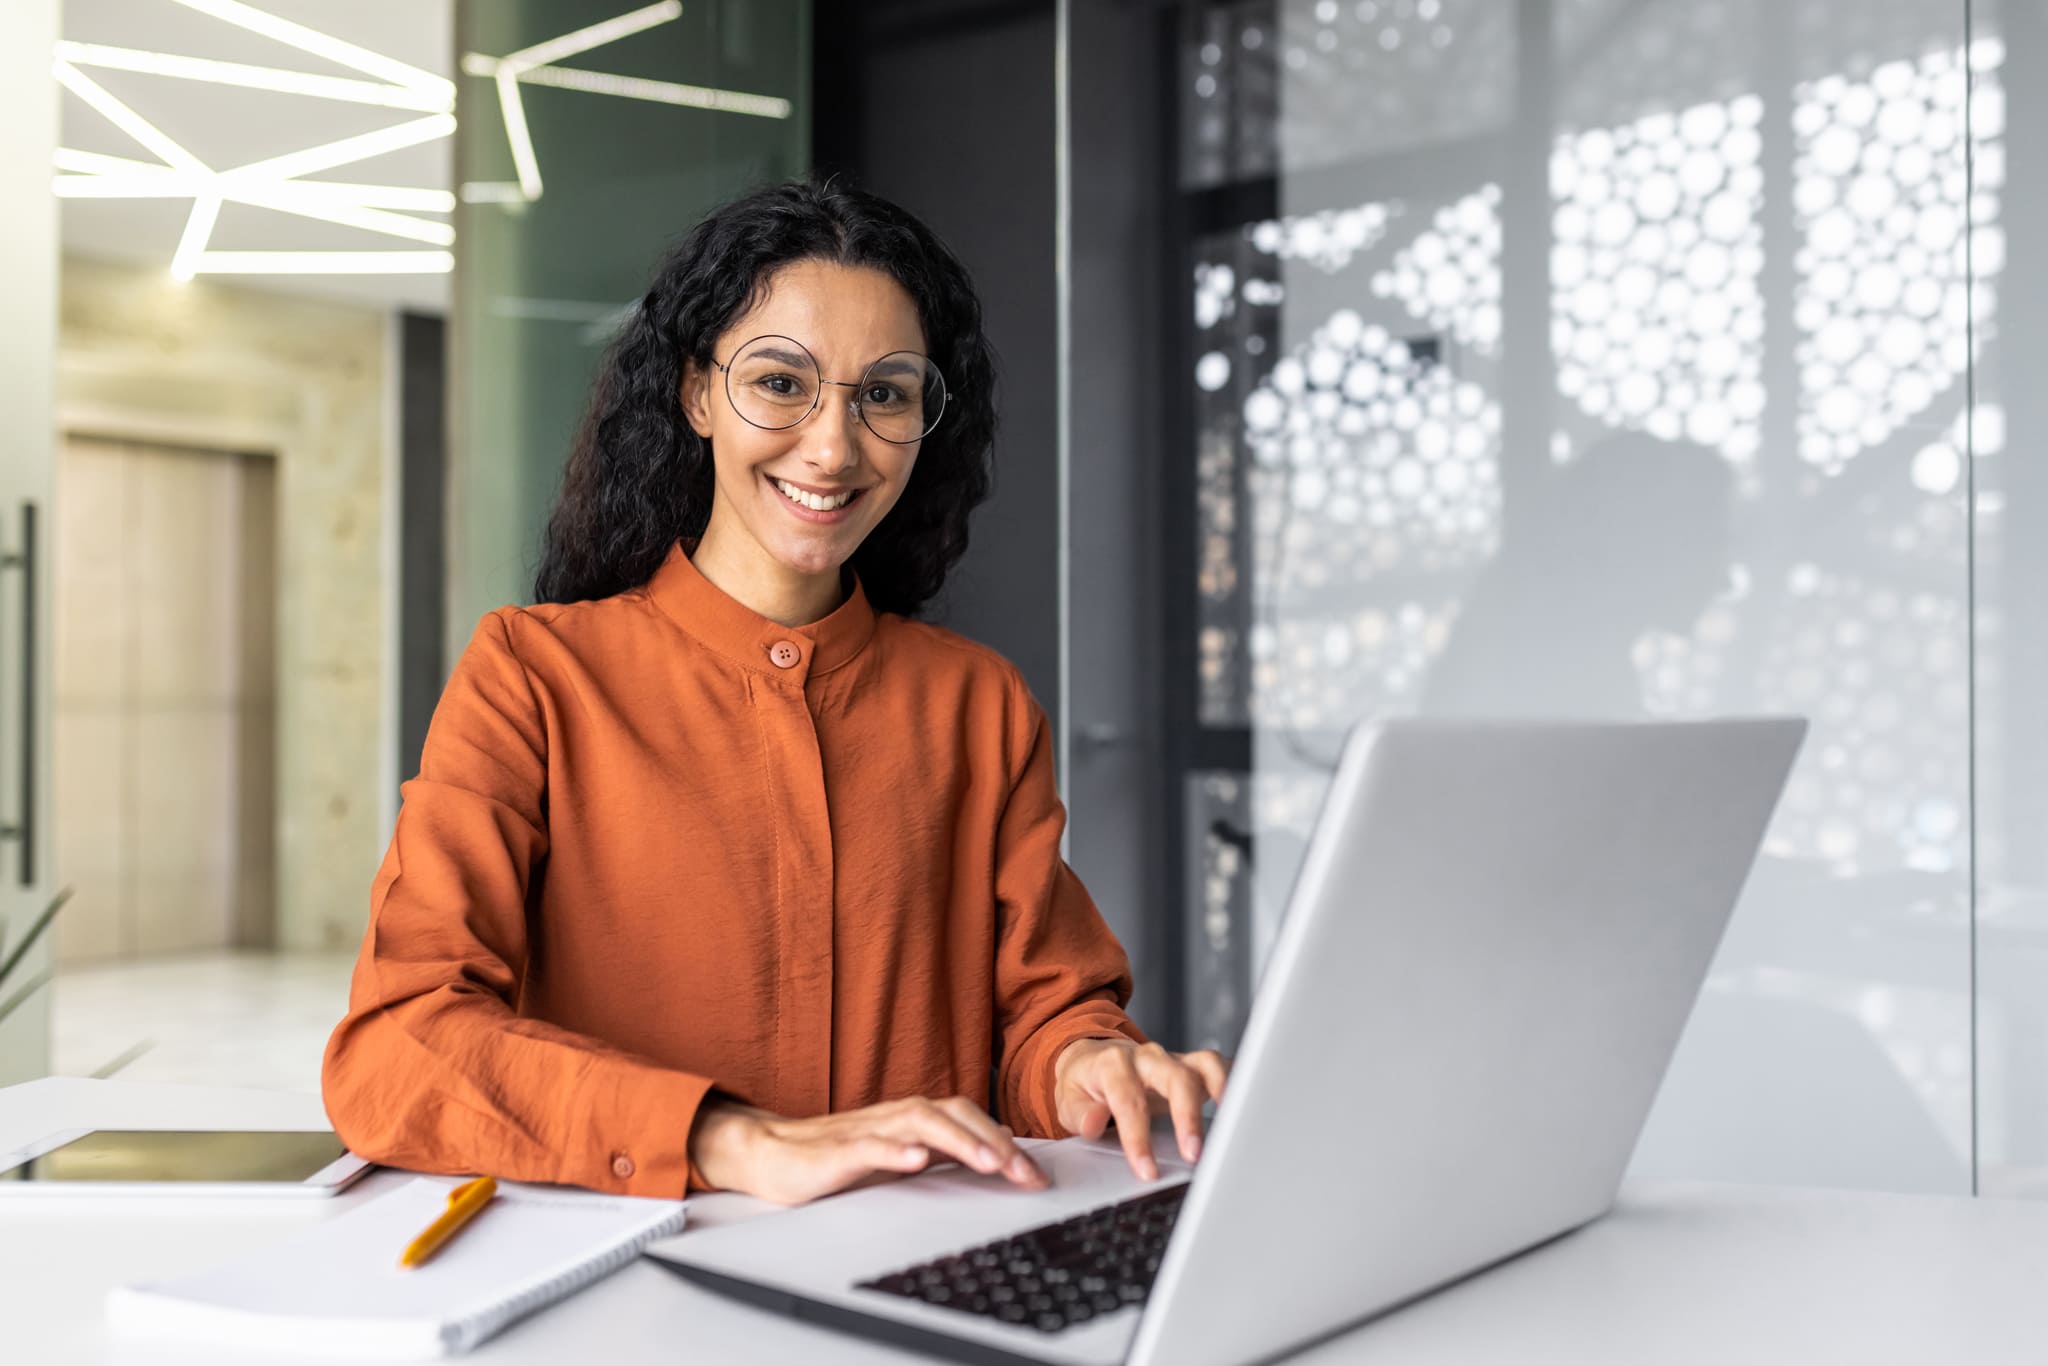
{"x":589,"y":138}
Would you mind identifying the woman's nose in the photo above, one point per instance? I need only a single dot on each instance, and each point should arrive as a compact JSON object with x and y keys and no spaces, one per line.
{"x":831,"y":445}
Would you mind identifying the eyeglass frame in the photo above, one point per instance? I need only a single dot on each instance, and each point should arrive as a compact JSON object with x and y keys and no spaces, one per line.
{"x":945,"y":389}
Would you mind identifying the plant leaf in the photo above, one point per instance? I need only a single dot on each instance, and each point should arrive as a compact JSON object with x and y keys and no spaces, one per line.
{"x":35,"y":932}
{"x":123,"y":1058}
{"x":28,"y":989}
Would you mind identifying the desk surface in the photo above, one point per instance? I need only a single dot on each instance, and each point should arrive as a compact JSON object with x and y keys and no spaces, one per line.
{"x":1678,"y":1274}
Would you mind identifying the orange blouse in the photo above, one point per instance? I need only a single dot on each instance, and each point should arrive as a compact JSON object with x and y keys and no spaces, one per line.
{"x":660,"y":843}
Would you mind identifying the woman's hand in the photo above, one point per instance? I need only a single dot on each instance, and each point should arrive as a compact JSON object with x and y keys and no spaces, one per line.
{"x":789,"y":1161}
{"x":1099,"y":1080}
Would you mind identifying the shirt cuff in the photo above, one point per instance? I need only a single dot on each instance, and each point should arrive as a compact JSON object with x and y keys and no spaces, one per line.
{"x":633,"y":1121}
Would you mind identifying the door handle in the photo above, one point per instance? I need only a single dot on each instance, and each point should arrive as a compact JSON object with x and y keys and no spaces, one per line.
{"x":24,"y":826}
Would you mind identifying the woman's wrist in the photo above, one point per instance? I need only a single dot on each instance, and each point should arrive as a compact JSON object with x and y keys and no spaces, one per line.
{"x":723,"y":1141}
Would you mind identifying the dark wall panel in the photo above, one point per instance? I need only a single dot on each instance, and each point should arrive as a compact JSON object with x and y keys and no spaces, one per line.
{"x":422,"y":535}
{"x":949,"y":111}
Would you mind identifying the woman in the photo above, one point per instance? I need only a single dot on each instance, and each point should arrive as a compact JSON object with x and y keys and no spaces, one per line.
{"x":722,"y":871}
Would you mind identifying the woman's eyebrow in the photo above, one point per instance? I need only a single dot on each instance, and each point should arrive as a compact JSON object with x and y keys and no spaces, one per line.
{"x":776,"y":353}
{"x":894,"y":366}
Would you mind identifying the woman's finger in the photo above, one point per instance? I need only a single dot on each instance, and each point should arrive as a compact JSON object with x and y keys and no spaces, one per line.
{"x":1209,"y":1065}
{"x":1130,"y":1104}
{"x":1178,"y":1082}
{"x":1090,"y":1120}
{"x":1011,"y":1160}
{"x":924,"y":1122}
{"x":891,"y":1155}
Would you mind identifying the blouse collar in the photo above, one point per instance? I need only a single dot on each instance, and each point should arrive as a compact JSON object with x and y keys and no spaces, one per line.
{"x":751,"y":640}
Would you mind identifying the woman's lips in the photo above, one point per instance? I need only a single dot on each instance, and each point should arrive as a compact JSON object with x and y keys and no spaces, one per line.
{"x":838,"y":514}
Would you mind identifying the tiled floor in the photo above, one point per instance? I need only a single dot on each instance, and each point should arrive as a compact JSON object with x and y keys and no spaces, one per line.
{"x":225,"y":1019}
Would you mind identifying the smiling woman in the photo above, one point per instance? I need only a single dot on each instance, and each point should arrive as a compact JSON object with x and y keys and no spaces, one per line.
{"x":773,"y":293}
{"x":721,"y":869}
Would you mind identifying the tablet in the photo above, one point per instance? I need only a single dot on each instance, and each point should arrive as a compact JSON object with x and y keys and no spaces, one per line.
{"x":181,"y":1162}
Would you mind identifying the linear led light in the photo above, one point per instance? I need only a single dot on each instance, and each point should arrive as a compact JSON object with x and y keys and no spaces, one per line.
{"x":524,"y":163}
{"x":333,"y":49}
{"x":595,"y":35}
{"x":409,"y":197}
{"x":124,"y":118}
{"x":340,"y":153}
{"x":661,"y":92}
{"x":324,"y":263}
{"x":256,"y":77}
{"x":417,"y":198}
{"x":284,"y":199}
{"x":105,"y":177}
{"x":312,"y":199}
{"x":198,"y":227}
{"x":99,"y":163}
{"x":491,"y":192}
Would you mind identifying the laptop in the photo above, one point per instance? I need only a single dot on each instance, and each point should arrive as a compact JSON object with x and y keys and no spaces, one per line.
{"x":1495,"y":938}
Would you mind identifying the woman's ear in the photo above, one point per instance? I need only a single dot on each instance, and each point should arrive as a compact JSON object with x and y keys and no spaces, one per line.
{"x":695,"y":397}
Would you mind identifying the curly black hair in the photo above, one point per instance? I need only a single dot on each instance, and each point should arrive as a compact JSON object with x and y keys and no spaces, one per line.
{"x":639,"y":479}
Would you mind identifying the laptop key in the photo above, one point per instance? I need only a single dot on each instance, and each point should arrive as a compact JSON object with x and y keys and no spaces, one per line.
{"x":1055,"y":1276}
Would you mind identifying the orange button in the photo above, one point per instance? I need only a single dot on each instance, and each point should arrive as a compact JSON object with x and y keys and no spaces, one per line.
{"x":622,"y":1166}
{"x":785,"y":654}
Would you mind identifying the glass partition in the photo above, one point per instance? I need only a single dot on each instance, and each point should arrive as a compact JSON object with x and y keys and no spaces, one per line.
{"x":1605,"y":359}
{"x":586,"y":143}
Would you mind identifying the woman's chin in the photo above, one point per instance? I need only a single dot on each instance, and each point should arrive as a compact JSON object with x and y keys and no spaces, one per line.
{"x":812,"y":556}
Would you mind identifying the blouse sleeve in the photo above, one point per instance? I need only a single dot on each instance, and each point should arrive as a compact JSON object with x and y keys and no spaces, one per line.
{"x":432,"y":1069}
{"x":1060,"y":973}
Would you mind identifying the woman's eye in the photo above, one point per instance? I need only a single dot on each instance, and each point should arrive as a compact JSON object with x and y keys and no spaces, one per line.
{"x":780,"y":385}
{"x":882,"y":393}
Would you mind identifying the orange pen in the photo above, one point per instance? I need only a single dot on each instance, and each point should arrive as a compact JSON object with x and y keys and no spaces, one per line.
{"x":463,"y":1203}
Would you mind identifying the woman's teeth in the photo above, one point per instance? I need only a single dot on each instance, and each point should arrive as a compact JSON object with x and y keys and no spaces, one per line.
{"x":812,"y":500}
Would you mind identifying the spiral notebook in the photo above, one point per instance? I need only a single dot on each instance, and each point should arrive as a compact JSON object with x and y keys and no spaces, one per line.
{"x":336,"y":1288}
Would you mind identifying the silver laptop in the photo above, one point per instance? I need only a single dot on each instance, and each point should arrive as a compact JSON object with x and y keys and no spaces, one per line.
{"x":1495,"y":938}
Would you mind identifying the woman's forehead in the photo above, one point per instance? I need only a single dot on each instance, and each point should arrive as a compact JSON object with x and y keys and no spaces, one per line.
{"x":843,"y":314}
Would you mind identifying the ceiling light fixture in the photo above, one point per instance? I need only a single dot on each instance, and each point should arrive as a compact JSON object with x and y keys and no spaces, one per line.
{"x":264,"y":184}
{"x":257,"y":77}
{"x":275,"y":183}
{"x":272,"y":183}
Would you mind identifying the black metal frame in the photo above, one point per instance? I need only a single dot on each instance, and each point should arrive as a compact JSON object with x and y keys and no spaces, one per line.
{"x":1188,"y":745}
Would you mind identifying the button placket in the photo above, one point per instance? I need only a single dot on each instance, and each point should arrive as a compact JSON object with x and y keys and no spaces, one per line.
{"x":804,"y":879}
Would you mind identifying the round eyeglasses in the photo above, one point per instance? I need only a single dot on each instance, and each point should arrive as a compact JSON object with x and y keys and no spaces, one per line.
{"x":773,"y":382}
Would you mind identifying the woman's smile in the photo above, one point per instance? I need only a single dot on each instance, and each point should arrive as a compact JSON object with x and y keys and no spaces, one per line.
{"x":815,"y":506}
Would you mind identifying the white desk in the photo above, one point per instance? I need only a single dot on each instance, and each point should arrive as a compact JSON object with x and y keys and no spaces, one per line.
{"x":1676,"y":1275}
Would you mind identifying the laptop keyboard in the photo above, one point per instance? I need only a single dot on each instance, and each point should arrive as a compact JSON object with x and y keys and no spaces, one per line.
{"x":1053,"y":1277}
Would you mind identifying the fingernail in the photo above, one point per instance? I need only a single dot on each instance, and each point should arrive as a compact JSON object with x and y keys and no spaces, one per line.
{"x":1191,"y":1147}
{"x":985,"y":1158}
{"x":913,"y":1153}
{"x":1148,"y":1170}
